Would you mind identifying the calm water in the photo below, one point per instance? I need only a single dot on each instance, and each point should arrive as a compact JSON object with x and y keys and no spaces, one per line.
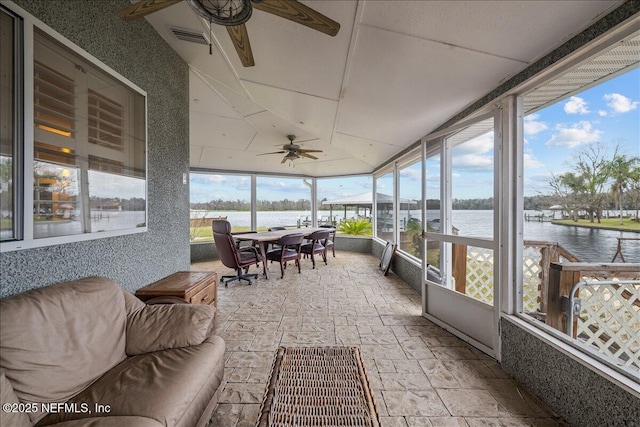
{"x":100,"y":221}
{"x":588,"y":244}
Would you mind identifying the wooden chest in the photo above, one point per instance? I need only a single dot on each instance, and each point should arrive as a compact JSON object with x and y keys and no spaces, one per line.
{"x":192,"y":287}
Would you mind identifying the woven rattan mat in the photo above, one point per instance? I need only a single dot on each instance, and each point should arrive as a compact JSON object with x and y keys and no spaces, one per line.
{"x":318,"y":386}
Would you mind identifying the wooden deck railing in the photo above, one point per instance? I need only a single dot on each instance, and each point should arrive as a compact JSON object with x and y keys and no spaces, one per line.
{"x":564,"y":275}
{"x":538,"y":257}
{"x":604,"y":310}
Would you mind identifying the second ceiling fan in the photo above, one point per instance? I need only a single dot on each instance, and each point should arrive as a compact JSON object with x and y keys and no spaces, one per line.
{"x":234,"y":13}
{"x":293,"y":151}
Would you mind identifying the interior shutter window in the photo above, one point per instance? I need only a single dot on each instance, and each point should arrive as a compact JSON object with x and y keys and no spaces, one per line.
{"x":54,"y":102}
{"x":106,"y":122}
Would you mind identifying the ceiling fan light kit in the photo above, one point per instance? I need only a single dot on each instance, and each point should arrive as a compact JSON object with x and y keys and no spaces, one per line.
{"x":223,"y":12}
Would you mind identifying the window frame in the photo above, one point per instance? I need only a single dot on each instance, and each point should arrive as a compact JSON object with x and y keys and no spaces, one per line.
{"x":513,"y":137}
{"x":17,"y":123}
{"x":27,"y":241}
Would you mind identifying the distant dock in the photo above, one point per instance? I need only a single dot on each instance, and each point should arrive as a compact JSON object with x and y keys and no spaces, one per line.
{"x":538,"y":218}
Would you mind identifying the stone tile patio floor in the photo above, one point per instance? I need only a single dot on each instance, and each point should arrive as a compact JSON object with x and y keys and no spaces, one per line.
{"x":420,"y":374}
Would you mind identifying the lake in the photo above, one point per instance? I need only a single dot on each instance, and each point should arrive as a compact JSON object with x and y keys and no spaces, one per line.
{"x":591,"y":245}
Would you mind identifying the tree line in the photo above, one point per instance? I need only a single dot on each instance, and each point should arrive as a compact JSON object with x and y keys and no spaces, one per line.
{"x":262,"y":205}
{"x":600,"y":179}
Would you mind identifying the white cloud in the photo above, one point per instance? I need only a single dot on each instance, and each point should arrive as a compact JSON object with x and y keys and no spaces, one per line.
{"x":532,"y":126}
{"x":602,"y":113}
{"x":620,"y":103}
{"x":479,"y":145}
{"x":411,"y":173}
{"x":578,"y":134}
{"x":576,"y":105}
{"x":474,"y":162}
{"x":530,"y":162}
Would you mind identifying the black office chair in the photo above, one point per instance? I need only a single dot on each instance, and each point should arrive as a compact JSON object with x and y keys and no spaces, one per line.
{"x":232,"y":256}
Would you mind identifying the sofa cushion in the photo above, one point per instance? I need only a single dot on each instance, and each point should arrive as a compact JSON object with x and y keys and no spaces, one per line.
{"x":163,"y":385}
{"x":162,"y":327}
{"x":11,"y":417}
{"x":57,"y":340}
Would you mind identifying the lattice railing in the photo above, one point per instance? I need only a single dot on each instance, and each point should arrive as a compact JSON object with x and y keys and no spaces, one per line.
{"x":531,"y":278}
{"x":609,"y":319}
{"x":479,"y":280}
{"x":598,"y":304}
{"x":536,"y":259}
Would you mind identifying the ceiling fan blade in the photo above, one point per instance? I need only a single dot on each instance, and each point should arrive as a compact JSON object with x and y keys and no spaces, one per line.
{"x":284,"y":159}
{"x":310,"y":151}
{"x":275,"y":152}
{"x":300,"y":13}
{"x":309,"y":156}
{"x":240,"y":39}
{"x":144,"y":7}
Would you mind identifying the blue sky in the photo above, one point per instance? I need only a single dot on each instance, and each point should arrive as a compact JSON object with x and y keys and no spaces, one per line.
{"x":608,"y":113}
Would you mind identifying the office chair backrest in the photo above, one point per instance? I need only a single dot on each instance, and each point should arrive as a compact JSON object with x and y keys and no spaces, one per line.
{"x":225,"y":243}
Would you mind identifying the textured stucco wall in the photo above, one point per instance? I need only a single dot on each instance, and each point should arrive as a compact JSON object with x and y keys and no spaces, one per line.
{"x":353,"y":244}
{"x":207,"y":251}
{"x":137,"y":52}
{"x":582,"y":397}
{"x":203,"y":252}
{"x":404,"y":269}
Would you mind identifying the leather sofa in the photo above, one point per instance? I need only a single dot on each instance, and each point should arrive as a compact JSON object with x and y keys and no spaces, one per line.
{"x":88,"y":353}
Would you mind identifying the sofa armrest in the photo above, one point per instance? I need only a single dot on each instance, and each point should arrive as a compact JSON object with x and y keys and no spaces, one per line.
{"x":165,"y":326}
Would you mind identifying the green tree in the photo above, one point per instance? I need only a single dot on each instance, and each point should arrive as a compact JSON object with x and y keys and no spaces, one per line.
{"x":587,"y":182}
{"x":622,"y":170}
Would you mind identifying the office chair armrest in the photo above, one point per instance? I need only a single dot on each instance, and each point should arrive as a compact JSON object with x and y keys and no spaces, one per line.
{"x":250,"y":249}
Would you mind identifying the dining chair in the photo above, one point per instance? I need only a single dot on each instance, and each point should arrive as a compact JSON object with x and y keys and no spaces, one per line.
{"x":288,"y":250}
{"x":232,"y":256}
{"x":239,"y":243}
{"x":315,"y":245}
{"x":330,"y":241}
{"x":274,"y":245}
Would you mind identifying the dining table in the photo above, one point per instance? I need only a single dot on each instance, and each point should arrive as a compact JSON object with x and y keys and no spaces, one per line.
{"x":263,"y":238}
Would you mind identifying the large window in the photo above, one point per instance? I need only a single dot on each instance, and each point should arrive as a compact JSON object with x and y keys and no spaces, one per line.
{"x":87,"y":170}
{"x":346,"y":203}
{"x":89,"y":146}
{"x":433,"y":203}
{"x":385,"y":217}
{"x":219,"y":196}
{"x":9,"y":123}
{"x":581,"y":228}
{"x":410,"y":208}
{"x":283,"y":202}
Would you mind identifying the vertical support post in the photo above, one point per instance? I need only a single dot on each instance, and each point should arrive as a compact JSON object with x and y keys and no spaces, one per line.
{"x":545,"y":262}
{"x":560,"y":284}
{"x":459,"y":259}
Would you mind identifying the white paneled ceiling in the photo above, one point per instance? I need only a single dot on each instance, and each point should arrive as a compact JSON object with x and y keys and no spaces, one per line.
{"x":395,"y":71}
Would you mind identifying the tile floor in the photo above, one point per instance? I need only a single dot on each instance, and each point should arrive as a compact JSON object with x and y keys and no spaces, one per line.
{"x":420,"y":374}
